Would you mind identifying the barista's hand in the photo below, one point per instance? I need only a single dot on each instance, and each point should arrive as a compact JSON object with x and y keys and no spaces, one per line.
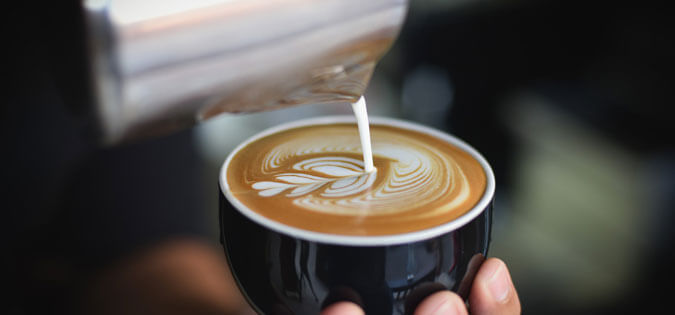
{"x":492,"y":293}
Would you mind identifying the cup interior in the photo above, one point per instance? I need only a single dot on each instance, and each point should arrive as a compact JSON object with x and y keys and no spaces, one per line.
{"x":379,"y":240}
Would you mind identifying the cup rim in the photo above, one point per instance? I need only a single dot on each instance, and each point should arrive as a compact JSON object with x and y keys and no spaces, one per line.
{"x":374,"y":240}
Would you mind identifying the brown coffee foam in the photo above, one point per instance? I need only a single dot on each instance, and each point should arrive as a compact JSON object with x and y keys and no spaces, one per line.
{"x":375,"y":217}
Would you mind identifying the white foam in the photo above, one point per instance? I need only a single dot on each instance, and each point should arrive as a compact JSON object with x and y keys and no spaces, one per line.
{"x":416,"y":174}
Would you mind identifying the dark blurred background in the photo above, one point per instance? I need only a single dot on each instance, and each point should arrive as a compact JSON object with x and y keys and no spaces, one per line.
{"x":569,"y":101}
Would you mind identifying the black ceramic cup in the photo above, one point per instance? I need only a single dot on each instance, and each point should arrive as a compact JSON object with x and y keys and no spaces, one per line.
{"x":285,"y":270}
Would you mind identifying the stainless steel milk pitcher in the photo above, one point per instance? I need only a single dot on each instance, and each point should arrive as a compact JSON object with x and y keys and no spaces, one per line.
{"x":158,"y":65}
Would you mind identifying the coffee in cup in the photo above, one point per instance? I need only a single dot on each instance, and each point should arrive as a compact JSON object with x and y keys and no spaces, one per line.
{"x":312,"y":178}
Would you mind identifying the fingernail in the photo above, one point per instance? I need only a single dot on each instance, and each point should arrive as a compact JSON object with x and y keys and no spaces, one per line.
{"x":446,"y":307}
{"x":498,"y":284}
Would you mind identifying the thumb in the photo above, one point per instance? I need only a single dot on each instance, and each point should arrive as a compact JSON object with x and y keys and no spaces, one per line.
{"x":442,"y":303}
{"x":343,"y":308}
{"x":493,"y":291}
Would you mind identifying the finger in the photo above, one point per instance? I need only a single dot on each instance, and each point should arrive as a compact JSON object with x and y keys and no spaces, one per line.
{"x":343,"y":308}
{"x":493,"y":291}
{"x":442,"y":303}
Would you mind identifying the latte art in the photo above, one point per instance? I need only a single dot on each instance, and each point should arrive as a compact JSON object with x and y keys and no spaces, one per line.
{"x":343,"y":176}
{"x":313,"y":178}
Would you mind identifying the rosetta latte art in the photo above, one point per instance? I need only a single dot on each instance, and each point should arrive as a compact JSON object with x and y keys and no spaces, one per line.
{"x":312,"y":178}
{"x":410,"y":175}
{"x":343,"y":176}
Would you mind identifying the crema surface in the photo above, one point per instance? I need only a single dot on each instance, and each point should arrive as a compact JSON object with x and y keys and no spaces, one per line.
{"x":312,"y":178}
